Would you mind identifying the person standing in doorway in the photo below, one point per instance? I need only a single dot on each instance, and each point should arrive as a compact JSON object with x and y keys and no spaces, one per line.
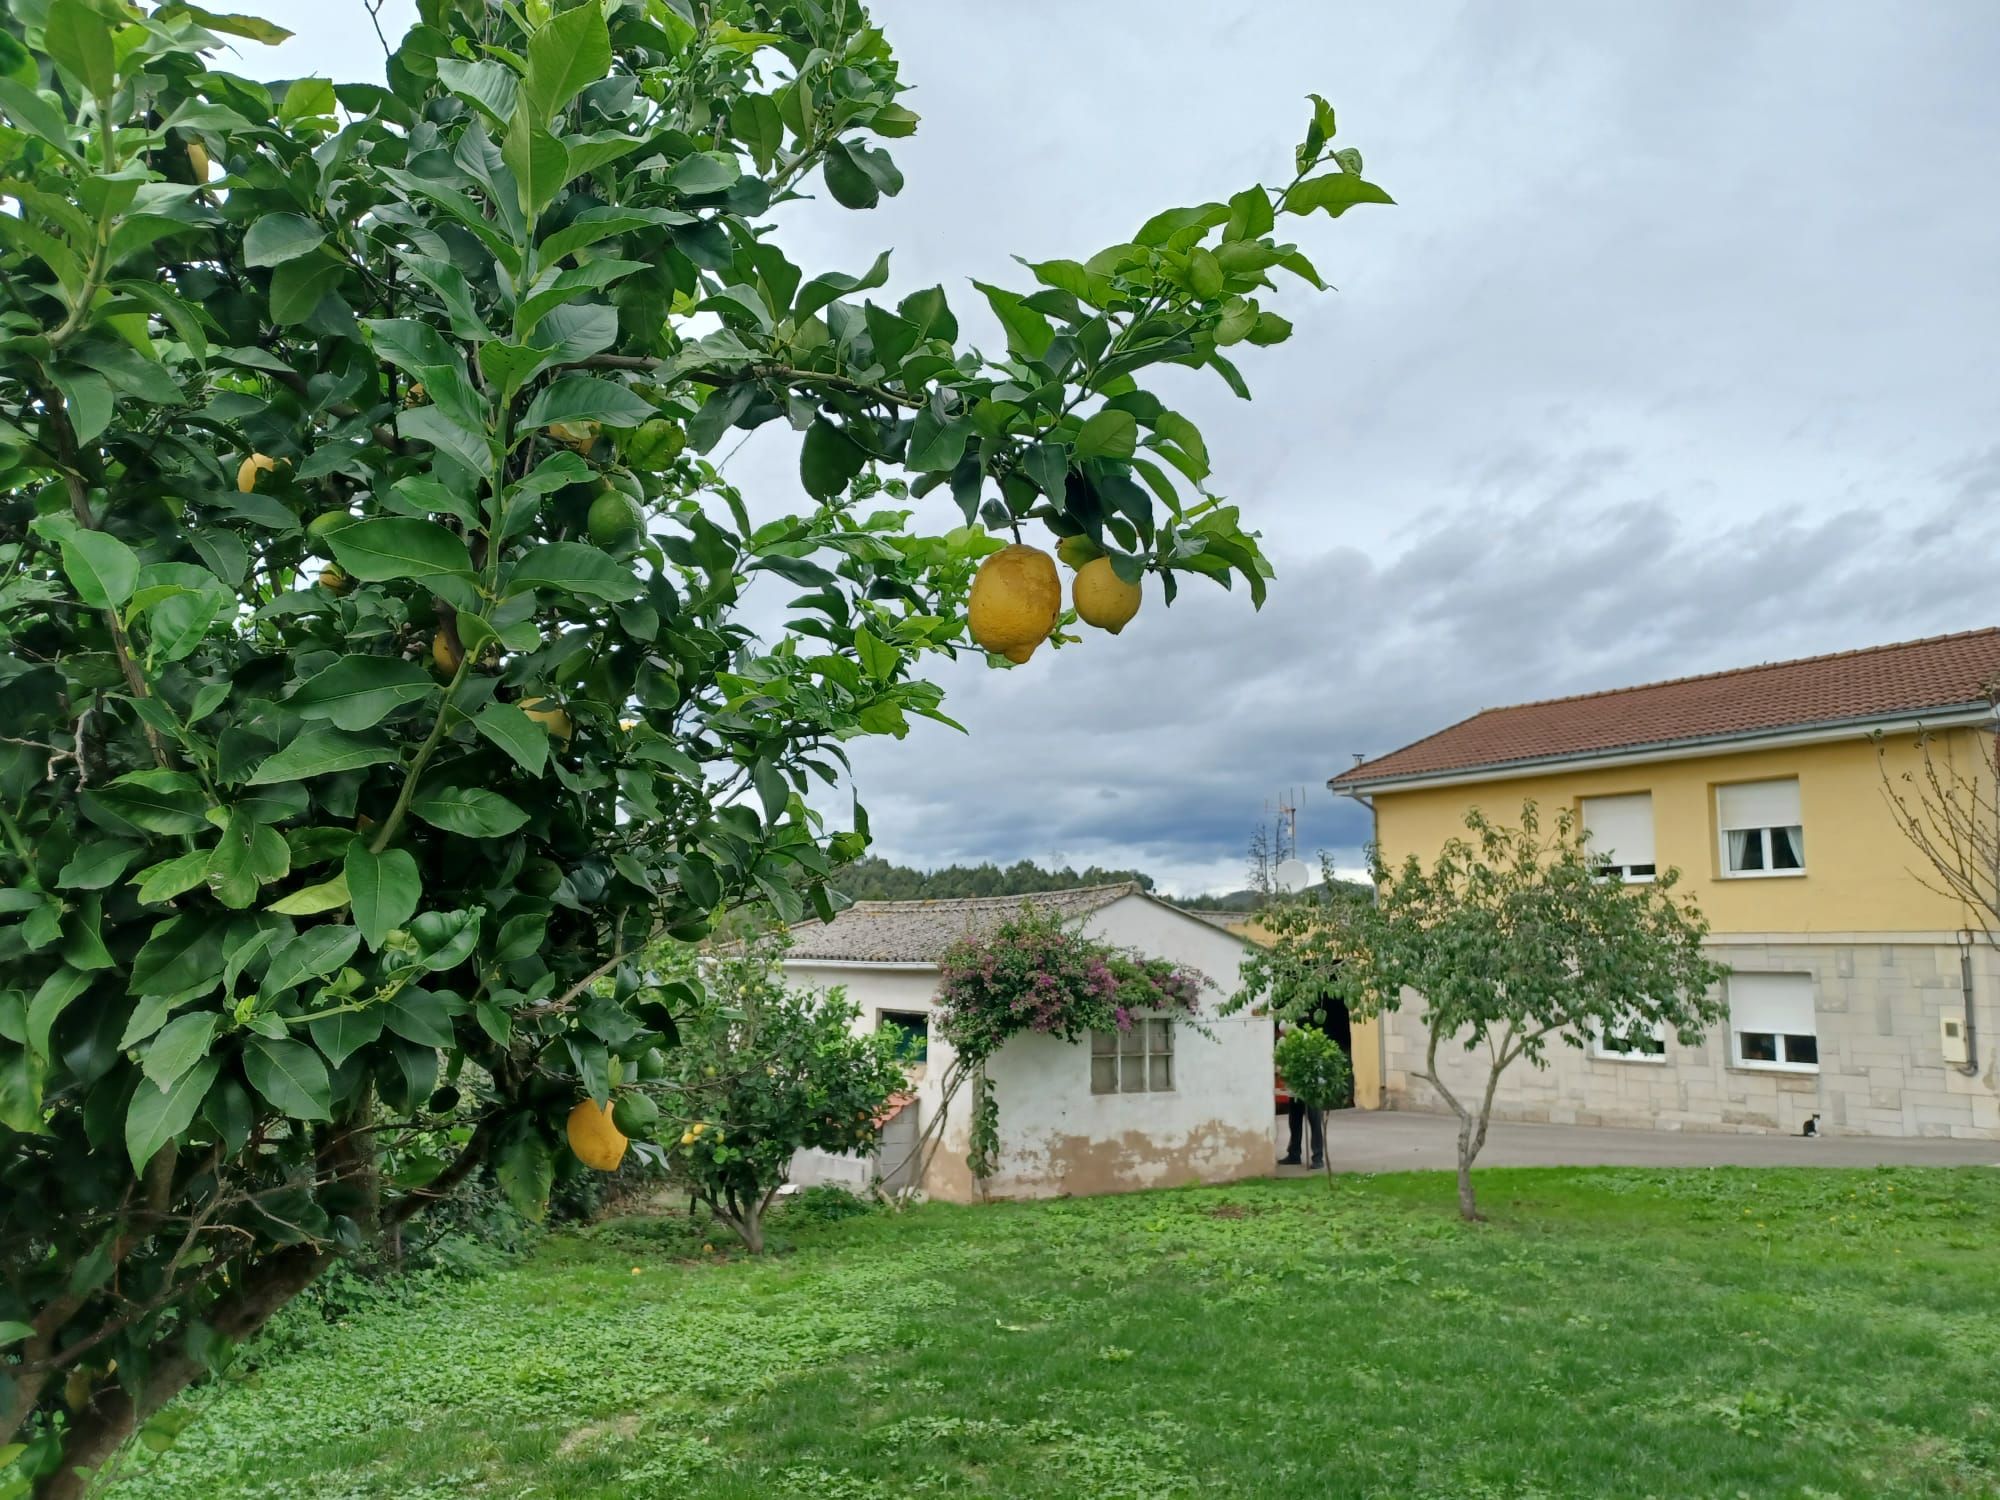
{"x":1329,"y":1018}
{"x":1295,"y":1113}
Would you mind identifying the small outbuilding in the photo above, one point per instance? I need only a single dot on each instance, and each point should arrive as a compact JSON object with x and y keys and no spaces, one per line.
{"x":1169,"y":1102}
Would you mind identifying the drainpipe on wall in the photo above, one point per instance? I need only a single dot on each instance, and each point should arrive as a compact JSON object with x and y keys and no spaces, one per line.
{"x":1970,"y":1067}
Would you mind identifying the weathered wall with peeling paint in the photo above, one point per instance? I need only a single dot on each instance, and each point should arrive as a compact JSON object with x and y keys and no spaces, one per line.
{"x":1057,"y":1137}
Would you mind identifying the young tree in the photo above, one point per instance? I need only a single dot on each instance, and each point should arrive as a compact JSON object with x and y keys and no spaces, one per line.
{"x":1316,"y":1072}
{"x":1510,"y":938}
{"x":763,"y":1073}
{"x":374,"y":675}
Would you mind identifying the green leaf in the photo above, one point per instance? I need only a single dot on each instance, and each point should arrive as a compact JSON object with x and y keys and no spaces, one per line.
{"x":171,"y":877}
{"x":253,"y":28}
{"x":828,"y":460}
{"x":13,"y":1333}
{"x":384,"y":889}
{"x":290,"y":1075}
{"x":1028,"y":332}
{"x":470,"y":811}
{"x":494,"y":87}
{"x":156,"y":1115}
{"x":183,"y":952}
{"x":180,"y":1044}
{"x":1204,"y":273}
{"x":346,"y":1032}
{"x":248,"y":857}
{"x":703,"y":172}
{"x":328,"y":895}
{"x":307,"y":99}
{"x":55,"y":995}
{"x":102,"y":569}
{"x":277,"y":238}
{"x":358,"y":692}
{"x":315,"y":952}
{"x":1336,"y":192}
{"x":878,"y":658}
{"x":935,"y":444}
{"x":526,"y":1173}
{"x":514,"y":732}
{"x":848,"y":180}
{"x":419,"y":1016}
{"x":22,"y":1075}
{"x":575,"y":568}
{"x":320,"y":750}
{"x":96,"y":865}
{"x":538,"y":161}
{"x":78,"y":40}
{"x":298,"y":285}
{"x":571,"y":51}
{"x":586,"y":398}
{"x":1108,"y":434}
{"x":169,"y":802}
{"x":36,"y":115}
{"x":389,"y":547}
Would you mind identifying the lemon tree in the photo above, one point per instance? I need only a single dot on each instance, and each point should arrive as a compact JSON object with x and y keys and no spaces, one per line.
{"x":375,"y":678}
{"x":762,"y":1073}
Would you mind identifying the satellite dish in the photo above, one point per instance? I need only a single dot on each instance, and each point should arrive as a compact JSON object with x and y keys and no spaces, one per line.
{"x":1291,"y":875}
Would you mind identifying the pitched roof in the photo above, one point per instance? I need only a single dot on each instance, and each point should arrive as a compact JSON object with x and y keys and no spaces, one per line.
{"x":1943,"y":672}
{"x":876,"y":932}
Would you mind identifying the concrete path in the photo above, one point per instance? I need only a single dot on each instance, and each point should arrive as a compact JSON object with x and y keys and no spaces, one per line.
{"x":1404,"y":1141}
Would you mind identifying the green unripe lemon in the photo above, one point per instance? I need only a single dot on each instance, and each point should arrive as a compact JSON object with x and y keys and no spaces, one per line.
{"x":635,"y":1114}
{"x":614,"y":519}
{"x":540,"y":877}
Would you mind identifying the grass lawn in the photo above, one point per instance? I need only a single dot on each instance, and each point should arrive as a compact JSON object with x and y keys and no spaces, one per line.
{"x":1761,"y":1334}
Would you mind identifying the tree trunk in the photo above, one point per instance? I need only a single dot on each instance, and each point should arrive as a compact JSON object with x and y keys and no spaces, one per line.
{"x":1468,"y":1206}
{"x":104,"y":1426}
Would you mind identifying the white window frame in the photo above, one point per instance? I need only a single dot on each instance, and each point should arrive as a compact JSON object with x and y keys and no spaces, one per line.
{"x":1723,"y":829}
{"x":1147,"y":1048}
{"x":1631,"y":872}
{"x":1602,"y":1049}
{"x":1781,"y":1039}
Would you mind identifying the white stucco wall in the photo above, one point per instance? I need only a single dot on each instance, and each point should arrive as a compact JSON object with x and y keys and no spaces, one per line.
{"x":1057,"y":1137}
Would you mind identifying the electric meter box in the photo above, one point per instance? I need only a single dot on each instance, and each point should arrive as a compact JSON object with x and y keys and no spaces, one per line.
{"x":1951,"y":1034}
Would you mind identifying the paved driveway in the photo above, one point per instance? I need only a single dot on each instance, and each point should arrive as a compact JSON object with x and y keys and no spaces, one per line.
{"x":1404,"y":1141}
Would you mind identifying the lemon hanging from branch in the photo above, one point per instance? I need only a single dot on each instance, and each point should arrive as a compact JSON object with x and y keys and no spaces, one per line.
{"x":1015,"y":602}
{"x":1102,"y":598}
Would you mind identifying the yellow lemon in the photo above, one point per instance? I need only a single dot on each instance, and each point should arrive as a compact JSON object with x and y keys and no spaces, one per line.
{"x":595,"y":1140}
{"x":333,"y":580}
{"x":553,"y":719}
{"x":1102,"y":598}
{"x":687,"y":1137}
{"x":445,"y":653}
{"x":250,"y":468}
{"x":1016,"y":599}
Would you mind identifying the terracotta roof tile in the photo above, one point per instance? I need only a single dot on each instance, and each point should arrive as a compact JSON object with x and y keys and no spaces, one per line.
{"x":1910,"y":677}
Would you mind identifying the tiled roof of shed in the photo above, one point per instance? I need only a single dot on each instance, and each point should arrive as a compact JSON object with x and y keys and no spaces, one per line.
{"x":1908,"y":678}
{"x":877,"y":932}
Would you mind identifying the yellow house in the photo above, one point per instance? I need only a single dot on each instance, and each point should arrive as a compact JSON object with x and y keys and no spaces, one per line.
{"x":1858,"y":992}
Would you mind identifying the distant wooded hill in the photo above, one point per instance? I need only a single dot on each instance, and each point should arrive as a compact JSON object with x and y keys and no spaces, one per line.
{"x":874,"y":879}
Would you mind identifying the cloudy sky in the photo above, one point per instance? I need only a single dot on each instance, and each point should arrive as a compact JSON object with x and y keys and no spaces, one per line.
{"x":1678,"y":353}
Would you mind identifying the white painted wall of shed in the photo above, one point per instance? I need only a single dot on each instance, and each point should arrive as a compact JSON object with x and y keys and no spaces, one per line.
{"x":1056,"y":1137}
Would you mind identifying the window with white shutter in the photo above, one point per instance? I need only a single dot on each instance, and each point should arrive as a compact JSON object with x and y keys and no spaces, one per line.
{"x":1772,"y":1023}
{"x":1762,"y":831}
{"x":1621,"y":835}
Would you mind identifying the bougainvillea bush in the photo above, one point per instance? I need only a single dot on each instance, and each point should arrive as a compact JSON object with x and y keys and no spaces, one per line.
{"x":1034,"y":973}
